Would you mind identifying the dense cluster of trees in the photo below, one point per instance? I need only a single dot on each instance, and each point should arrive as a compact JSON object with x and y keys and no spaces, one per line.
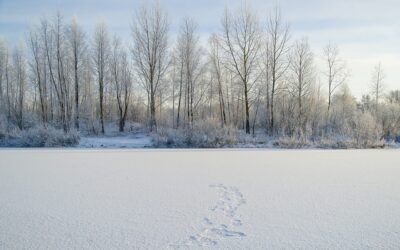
{"x":251,"y":75}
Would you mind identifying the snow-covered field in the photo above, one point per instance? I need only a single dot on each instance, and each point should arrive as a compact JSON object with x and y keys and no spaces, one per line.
{"x":138,"y":140}
{"x":211,"y":199}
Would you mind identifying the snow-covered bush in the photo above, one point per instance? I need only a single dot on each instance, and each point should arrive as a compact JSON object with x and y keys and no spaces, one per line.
{"x":204,"y":134}
{"x":40,"y":137}
{"x":292,"y":142}
{"x":362,"y":131}
{"x":334,"y":142}
{"x":3,"y":133}
{"x":367,"y":132}
{"x":50,"y":137}
{"x":390,"y":117}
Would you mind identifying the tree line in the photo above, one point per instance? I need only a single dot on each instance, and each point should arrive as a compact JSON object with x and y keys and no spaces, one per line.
{"x":252,"y":75}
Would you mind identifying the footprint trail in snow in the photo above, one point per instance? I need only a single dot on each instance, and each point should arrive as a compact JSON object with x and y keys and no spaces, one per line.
{"x":222,"y":222}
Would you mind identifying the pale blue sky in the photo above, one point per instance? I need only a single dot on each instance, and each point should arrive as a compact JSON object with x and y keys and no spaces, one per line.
{"x":367,"y":31}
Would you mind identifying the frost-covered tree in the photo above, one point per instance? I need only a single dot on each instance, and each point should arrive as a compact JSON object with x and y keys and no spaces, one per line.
{"x":336,"y":70}
{"x":20,"y":78}
{"x":301,"y":80}
{"x":377,"y":85}
{"x":241,"y":38}
{"x":3,"y":51}
{"x":121,"y":75}
{"x":277,"y":56}
{"x":189,"y":58}
{"x":77,"y":45}
{"x":149,"y":51}
{"x":101,"y":54}
{"x":39,"y":70}
{"x":218,"y":70}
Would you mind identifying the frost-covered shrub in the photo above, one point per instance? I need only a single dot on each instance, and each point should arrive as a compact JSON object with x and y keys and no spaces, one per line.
{"x":40,"y":137}
{"x":3,"y":127}
{"x":204,"y":134}
{"x":58,"y":138}
{"x":35,"y":137}
{"x":334,"y":142}
{"x":209,"y":133}
{"x":48,"y":137}
{"x":390,"y":116}
{"x":3,"y":134}
{"x":292,"y":142}
{"x":167,"y":137}
{"x":367,"y":132}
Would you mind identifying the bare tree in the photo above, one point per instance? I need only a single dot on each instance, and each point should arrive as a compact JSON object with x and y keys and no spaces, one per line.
{"x":150,"y":41}
{"x":20,"y":75}
{"x":77,"y":44}
{"x":217,"y":67}
{"x":8,"y":82}
{"x":57,"y":62}
{"x":302,"y":77}
{"x":39,"y":69}
{"x":179,"y":63}
{"x":63,"y":81}
{"x":242,"y":41}
{"x":101,"y":54}
{"x":278,"y":38}
{"x":189,"y":57}
{"x":266,"y":68}
{"x":121,"y":75}
{"x":88,"y":102}
{"x":336,"y":70}
{"x":393,"y":97}
{"x":47,"y":39}
{"x":377,"y":85}
{"x":2,"y":73}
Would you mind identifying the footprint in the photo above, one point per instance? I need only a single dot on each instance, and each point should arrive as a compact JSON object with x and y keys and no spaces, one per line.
{"x":236,"y":222}
{"x":207,"y":221}
{"x":214,"y":226}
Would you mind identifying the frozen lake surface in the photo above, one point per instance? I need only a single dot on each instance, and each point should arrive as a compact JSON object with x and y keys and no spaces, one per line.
{"x":203,"y":199}
{"x":135,"y":140}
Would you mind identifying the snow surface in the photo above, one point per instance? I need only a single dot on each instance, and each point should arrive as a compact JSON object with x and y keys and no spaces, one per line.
{"x":137,"y":140}
{"x":202,"y":199}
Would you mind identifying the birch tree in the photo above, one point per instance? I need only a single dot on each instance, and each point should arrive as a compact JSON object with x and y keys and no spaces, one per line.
{"x":62,"y":88}
{"x":189,"y":53}
{"x":217,"y":69}
{"x":20,"y":78}
{"x":241,"y":41}
{"x":149,"y":51}
{"x":336,"y":70}
{"x":302,"y":76}
{"x":122,"y":79}
{"x":2,"y":73}
{"x":38,"y":65}
{"x":7,"y":72}
{"x":377,"y":85}
{"x":101,"y":52}
{"x":56,"y":54}
{"x":77,"y":45}
{"x":278,"y":49}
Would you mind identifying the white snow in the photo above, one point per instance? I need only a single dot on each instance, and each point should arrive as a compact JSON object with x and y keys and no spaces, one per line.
{"x":203,"y":199}
{"x":139,"y":140}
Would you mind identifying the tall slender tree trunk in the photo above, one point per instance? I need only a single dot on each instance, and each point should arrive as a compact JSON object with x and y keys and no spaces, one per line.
{"x":271,"y":130}
{"x":221,"y":104}
{"x":8,"y":96}
{"x":76,"y":89}
{"x":101,"y":90}
{"x":153,"y":123}
{"x":247,"y":108}
{"x":179,"y":99}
